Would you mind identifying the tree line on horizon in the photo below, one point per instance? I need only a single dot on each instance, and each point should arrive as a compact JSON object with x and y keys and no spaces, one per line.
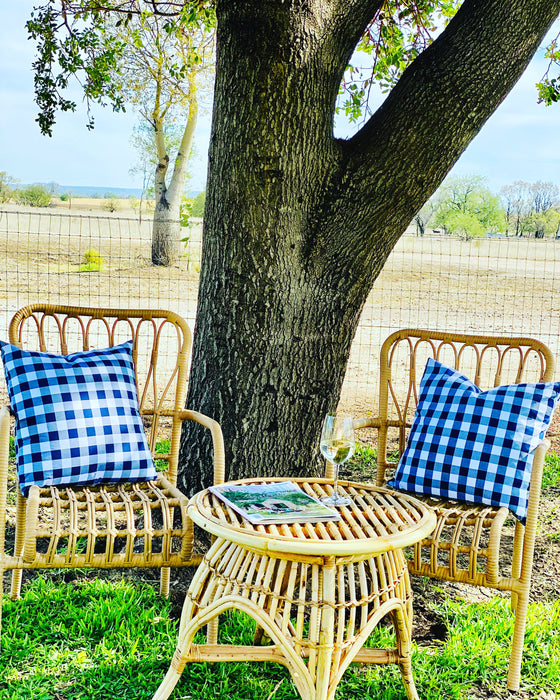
{"x":41,"y":195}
{"x":464,"y":207}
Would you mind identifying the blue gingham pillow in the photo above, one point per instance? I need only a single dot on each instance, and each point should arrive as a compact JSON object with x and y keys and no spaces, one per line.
{"x":475,"y":446}
{"x":77,"y":417}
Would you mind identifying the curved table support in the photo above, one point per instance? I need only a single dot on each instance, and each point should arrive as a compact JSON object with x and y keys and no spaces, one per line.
{"x":340,"y":601}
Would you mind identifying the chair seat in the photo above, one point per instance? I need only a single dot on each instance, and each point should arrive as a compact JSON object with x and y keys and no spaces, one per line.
{"x":141,"y":524}
{"x":465,"y":545}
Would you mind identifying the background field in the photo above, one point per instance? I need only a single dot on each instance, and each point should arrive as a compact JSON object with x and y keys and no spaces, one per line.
{"x":504,"y":286}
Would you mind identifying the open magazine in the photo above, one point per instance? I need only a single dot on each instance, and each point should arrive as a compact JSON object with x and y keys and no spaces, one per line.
{"x":275,"y":503}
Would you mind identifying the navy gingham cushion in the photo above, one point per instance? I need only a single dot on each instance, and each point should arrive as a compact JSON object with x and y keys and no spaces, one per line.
{"x":475,"y":446}
{"x":77,"y":417}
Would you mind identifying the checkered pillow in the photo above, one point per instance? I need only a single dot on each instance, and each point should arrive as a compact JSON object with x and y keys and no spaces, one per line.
{"x":77,"y":417}
{"x":475,"y":446}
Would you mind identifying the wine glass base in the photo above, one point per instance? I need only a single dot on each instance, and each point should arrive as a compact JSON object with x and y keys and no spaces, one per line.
{"x":335,"y":501}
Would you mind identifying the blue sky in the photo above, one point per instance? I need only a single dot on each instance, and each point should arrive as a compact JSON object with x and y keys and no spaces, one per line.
{"x":521,"y":141}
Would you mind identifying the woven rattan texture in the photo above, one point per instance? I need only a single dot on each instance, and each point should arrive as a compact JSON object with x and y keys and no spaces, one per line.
{"x":465,"y":545}
{"x":316,"y":590}
{"x":375,"y":520}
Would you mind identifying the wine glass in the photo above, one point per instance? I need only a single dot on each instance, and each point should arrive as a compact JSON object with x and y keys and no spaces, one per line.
{"x":337,"y":445}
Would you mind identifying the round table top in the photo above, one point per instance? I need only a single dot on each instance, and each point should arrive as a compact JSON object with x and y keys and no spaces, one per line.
{"x":378,"y":520}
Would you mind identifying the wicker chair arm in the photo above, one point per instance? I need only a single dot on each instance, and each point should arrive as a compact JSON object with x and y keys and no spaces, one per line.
{"x":536,"y":480}
{"x":367,"y":422}
{"x":217,"y":441}
{"x":377,"y":422}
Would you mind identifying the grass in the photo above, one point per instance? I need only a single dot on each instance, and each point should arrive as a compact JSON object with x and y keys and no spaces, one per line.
{"x":162,"y":447}
{"x":96,"y":639}
{"x":93,"y":261}
{"x":551,"y":473}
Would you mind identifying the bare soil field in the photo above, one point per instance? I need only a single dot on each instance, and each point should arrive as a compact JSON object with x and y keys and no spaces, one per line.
{"x":100,"y":205}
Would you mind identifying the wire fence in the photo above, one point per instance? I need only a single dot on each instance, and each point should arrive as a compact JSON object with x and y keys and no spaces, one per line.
{"x":504,"y":286}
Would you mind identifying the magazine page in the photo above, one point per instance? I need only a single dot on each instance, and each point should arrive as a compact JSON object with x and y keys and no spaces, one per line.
{"x":275,"y":503}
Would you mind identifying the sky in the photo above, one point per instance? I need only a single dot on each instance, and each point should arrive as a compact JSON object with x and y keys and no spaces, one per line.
{"x":521,"y":141}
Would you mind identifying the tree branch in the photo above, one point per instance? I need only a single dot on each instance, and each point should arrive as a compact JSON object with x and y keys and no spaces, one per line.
{"x":440,"y":103}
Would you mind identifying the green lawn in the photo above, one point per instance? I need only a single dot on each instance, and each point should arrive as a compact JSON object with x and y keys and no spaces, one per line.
{"x":98,"y":639}
{"x":95,"y":639}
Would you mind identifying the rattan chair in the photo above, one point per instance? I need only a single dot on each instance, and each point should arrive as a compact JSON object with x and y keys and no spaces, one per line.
{"x":142,"y":524}
{"x":466,"y":544}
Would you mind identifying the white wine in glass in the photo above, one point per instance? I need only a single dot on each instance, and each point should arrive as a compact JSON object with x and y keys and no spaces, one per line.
{"x":337,"y":445}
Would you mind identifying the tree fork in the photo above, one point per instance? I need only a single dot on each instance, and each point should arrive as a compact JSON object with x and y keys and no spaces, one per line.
{"x":299,"y":224}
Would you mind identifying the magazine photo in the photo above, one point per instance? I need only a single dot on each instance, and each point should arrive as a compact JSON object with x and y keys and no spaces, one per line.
{"x":275,"y":503}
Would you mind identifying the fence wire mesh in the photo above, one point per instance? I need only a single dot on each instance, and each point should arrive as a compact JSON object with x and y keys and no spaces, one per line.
{"x":504,"y":286}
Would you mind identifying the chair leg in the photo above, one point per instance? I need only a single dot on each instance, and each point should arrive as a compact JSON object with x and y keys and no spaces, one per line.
{"x":1,"y":601}
{"x":17,"y":574}
{"x":164,"y":579}
{"x":15,"y":591}
{"x":514,"y":673}
{"x":517,"y":559}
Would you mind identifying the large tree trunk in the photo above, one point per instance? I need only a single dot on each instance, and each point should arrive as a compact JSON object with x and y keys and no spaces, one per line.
{"x":298,"y":224}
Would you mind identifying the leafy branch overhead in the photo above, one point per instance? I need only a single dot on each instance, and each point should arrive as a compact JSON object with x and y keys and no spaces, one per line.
{"x":549,"y":87}
{"x":72,"y":40}
{"x":398,"y":33}
{"x":87,"y":40}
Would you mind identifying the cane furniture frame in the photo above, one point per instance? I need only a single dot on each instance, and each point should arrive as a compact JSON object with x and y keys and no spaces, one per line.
{"x":466,"y":544}
{"x":317,"y":590}
{"x":142,"y":524}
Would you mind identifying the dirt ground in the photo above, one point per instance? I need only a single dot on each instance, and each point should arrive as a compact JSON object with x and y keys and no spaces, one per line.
{"x":500,"y":286}
{"x":493,"y":285}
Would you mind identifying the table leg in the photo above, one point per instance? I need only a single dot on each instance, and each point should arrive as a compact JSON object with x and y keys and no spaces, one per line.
{"x":325,"y":672}
{"x":317,"y":616}
{"x":402,"y":624}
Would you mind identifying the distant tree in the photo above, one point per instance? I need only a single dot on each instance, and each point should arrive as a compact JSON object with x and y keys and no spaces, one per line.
{"x":34,"y":196}
{"x":466,"y":208}
{"x":516,"y":201}
{"x":527,"y":207}
{"x":425,"y":216}
{"x":111,"y":203}
{"x":6,"y":187}
{"x":543,"y":224}
{"x":161,"y":71}
{"x":138,"y":58}
{"x":456,"y":192}
{"x":198,"y":204}
{"x":465,"y":225}
{"x":544,"y":196}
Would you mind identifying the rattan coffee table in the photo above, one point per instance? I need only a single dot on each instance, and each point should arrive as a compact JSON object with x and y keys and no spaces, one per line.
{"x":315,"y":590}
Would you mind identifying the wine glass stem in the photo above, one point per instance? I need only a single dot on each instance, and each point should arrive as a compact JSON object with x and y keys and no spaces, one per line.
{"x":335,"y":479}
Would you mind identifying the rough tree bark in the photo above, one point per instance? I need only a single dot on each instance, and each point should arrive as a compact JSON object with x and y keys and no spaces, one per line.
{"x":298,"y":224}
